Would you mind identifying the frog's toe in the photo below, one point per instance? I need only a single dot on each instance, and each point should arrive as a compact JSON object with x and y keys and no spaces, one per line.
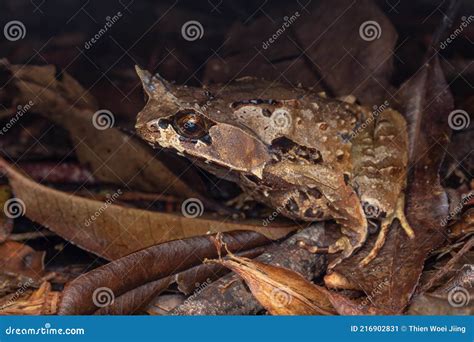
{"x":378,"y":243}
{"x":399,"y":213}
{"x":345,"y":247}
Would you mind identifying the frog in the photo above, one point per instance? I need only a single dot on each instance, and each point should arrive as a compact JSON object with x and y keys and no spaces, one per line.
{"x":306,"y":156}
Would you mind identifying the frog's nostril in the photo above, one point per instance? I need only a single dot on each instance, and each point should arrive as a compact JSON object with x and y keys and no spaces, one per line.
{"x":155,"y":125}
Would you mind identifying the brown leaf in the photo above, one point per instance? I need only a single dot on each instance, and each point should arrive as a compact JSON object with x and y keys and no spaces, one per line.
{"x":64,"y":101}
{"x":109,"y":230}
{"x":279,"y":290}
{"x":21,"y":259}
{"x":361,"y":62}
{"x":154,"y":263}
{"x":390,"y":280}
{"x":229,"y":295}
{"x":134,"y":300}
{"x":191,"y":279}
{"x":346,"y":306}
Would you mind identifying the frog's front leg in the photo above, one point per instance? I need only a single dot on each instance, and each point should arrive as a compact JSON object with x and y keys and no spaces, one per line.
{"x":315,"y":193}
{"x":380,"y":157}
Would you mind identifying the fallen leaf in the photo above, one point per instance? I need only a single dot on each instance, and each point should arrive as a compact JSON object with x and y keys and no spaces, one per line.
{"x":21,"y":259}
{"x":280,"y":290}
{"x":112,"y":231}
{"x":361,"y":63}
{"x":151,"y":264}
{"x":346,"y":306}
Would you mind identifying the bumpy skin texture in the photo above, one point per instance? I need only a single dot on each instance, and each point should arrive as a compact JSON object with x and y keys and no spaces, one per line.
{"x":308,"y":157}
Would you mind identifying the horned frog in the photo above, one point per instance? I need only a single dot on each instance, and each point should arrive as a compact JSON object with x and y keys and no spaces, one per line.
{"x":307,"y":156}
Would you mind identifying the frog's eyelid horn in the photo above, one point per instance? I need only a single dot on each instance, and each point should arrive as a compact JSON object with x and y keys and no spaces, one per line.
{"x":154,"y":85}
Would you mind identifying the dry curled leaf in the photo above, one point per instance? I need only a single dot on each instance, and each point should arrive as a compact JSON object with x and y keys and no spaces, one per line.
{"x":109,"y":230}
{"x":153,"y":264}
{"x":279,"y":290}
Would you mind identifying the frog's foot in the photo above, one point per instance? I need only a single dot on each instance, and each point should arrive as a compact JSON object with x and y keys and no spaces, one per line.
{"x":398,"y":213}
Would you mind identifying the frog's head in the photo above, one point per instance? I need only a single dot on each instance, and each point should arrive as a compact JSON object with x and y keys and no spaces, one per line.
{"x":179,"y":118}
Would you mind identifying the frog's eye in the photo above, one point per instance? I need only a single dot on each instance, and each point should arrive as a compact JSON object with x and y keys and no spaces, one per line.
{"x":191,"y":125}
